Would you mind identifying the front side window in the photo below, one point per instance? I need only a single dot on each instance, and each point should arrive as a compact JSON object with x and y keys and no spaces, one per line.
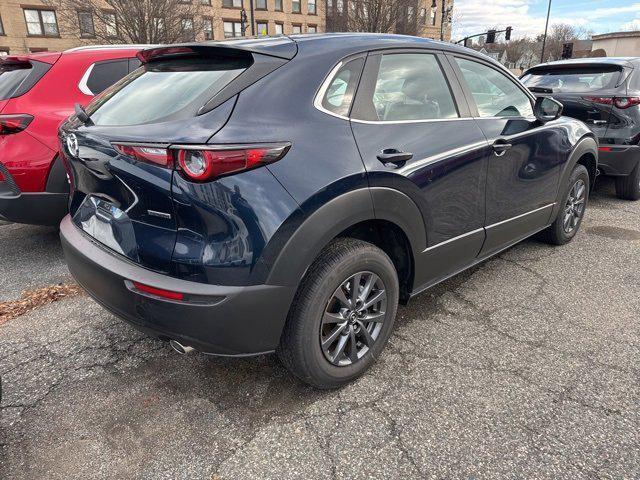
{"x":41,"y":22}
{"x":311,"y":7}
{"x":339,"y":92}
{"x":409,"y":86}
{"x":232,"y":29}
{"x":295,"y":6}
{"x":494,"y":93}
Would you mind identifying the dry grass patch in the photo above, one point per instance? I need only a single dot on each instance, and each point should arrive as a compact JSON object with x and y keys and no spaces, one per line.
{"x":32,"y":299}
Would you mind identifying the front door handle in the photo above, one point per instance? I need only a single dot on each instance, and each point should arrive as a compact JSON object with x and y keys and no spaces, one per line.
{"x":500,"y":148}
{"x":393,"y":155}
{"x":597,"y":122}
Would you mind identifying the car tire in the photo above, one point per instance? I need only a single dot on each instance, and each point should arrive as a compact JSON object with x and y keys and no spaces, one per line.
{"x":574,"y":204}
{"x":318,"y":312}
{"x":628,"y":188}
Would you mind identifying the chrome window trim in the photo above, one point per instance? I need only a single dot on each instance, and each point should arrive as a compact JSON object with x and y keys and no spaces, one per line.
{"x":82,"y":85}
{"x":317,"y":102}
{"x":395,"y":122}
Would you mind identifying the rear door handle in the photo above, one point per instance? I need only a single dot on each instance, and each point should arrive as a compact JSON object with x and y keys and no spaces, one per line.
{"x":597,"y":122}
{"x":393,"y":155}
{"x":500,"y":148}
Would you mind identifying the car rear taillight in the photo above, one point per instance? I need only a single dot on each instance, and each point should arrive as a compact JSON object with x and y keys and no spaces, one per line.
{"x":10,"y":124}
{"x":158,"y":155}
{"x":619,"y":102}
{"x":207,"y":162}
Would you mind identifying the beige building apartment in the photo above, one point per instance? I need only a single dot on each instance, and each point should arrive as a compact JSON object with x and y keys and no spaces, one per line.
{"x":35,"y":26}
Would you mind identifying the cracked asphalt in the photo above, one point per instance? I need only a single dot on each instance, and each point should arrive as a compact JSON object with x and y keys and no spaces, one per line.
{"x":526,"y":366}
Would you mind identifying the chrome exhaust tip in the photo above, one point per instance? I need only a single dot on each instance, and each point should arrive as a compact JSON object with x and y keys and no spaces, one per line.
{"x":181,"y":349}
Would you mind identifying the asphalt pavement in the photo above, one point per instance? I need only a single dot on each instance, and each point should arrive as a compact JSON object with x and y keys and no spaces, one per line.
{"x":526,"y":366}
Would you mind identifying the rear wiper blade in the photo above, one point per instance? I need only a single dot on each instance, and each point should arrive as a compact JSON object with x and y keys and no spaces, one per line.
{"x":82,"y":115}
{"x":541,"y":90}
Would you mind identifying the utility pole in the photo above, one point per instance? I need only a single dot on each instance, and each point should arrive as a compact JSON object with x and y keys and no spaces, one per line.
{"x":546,"y":27}
{"x":444,"y":14}
{"x":253,"y":23}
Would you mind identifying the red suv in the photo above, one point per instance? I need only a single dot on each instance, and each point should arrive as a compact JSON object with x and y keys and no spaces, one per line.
{"x":37,"y":92}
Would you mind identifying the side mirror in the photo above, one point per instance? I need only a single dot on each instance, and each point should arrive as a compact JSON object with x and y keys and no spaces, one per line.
{"x":547,"y":109}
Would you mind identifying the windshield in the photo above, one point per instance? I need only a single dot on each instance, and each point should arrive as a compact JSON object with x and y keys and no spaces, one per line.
{"x":574,"y":80}
{"x":162,"y":91}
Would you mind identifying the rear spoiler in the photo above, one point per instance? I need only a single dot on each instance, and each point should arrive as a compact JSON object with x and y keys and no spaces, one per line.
{"x":24,"y":60}
{"x":279,"y":47}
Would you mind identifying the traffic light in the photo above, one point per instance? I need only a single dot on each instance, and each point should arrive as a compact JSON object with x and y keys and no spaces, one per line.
{"x":507,"y":33}
{"x":491,"y":37}
{"x":567,"y":50}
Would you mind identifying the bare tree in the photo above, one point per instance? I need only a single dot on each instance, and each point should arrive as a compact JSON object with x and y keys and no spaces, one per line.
{"x":379,"y":16}
{"x":132,"y":21}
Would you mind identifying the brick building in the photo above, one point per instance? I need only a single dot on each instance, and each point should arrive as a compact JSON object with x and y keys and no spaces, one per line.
{"x":33,"y":26}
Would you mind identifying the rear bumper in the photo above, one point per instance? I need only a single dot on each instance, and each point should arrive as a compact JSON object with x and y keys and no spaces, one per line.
{"x":219,"y":320}
{"x":36,"y":208}
{"x":619,"y":161}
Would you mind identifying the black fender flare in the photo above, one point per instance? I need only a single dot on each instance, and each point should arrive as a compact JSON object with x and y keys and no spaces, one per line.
{"x":335,"y":216}
{"x":585,"y":145}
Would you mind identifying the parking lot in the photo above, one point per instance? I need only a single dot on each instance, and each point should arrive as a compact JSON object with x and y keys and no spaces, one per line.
{"x":526,"y":366}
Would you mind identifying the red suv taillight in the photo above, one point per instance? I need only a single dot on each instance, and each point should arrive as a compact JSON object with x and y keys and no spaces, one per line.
{"x":619,"y":102}
{"x":10,"y":124}
{"x":201,"y":163}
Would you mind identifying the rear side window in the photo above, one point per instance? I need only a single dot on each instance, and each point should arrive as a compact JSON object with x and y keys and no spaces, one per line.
{"x":572,"y":80}
{"x":408,"y":86}
{"x":495,"y":94}
{"x":105,"y":74}
{"x":339,"y":92}
{"x":18,"y":78}
{"x":164,"y":90}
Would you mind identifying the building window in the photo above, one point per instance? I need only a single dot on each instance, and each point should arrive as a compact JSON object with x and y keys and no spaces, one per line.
{"x":205,"y":2}
{"x":1,"y":28}
{"x":41,"y":22}
{"x":186,"y":26}
{"x":232,"y":3}
{"x":279,"y":29}
{"x":261,"y":4}
{"x":263,"y":29}
{"x":207,"y":28}
{"x":410,"y":11}
{"x":423,"y":16}
{"x":433,"y":16}
{"x":4,"y":51}
{"x":110,"y":24}
{"x":296,"y":28}
{"x":232,"y":29}
{"x":295,"y":6}
{"x":278,"y":5}
{"x":312,"y":29}
{"x":340,"y":6}
{"x":311,"y":7}
{"x":85,"y":21}
{"x":158,"y":25}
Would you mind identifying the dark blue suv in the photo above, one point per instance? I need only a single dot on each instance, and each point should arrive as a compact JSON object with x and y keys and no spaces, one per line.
{"x":285,"y":194}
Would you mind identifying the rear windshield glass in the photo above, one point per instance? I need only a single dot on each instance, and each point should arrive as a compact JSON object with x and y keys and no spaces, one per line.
{"x":164,"y":90}
{"x":11,"y":78}
{"x":575,"y":80}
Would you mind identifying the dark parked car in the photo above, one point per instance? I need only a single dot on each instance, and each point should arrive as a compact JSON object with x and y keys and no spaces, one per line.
{"x":605,"y":94}
{"x":286,"y":194}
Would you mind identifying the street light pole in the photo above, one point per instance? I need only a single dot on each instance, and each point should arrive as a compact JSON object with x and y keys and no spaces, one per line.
{"x":546,"y":26}
{"x":444,"y":12}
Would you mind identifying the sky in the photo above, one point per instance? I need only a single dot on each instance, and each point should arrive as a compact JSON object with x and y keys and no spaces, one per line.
{"x":527,"y":17}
